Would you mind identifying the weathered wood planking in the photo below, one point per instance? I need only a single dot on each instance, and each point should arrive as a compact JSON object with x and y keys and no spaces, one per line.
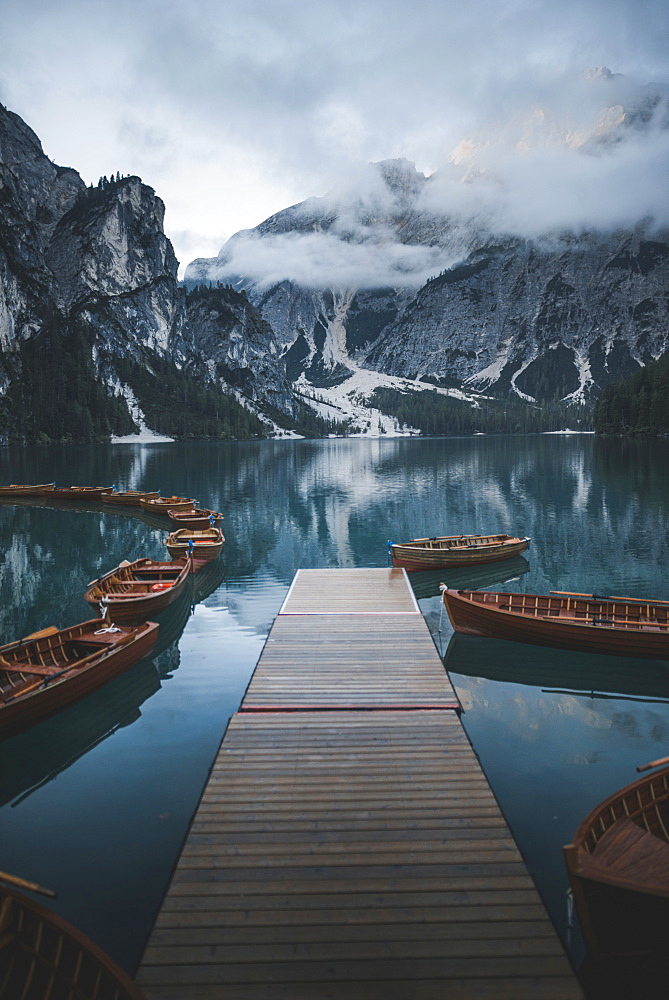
{"x":355,"y":851}
{"x":356,"y":591}
{"x":349,"y":660}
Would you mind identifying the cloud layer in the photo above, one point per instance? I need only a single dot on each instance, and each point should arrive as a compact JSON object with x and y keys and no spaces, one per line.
{"x":234,"y":110}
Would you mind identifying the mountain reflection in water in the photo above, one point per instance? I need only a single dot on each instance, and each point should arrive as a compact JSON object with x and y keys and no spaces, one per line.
{"x":102,"y":819}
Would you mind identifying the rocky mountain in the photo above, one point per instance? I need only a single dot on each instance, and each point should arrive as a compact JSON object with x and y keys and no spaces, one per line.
{"x":95,"y":333}
{"x":482,"y":279}
{"x":487,"y":293}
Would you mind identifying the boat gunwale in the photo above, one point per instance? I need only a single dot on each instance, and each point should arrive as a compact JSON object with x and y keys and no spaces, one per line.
{"x":620,"y":624}
{"x":119,"y":602}
{"x":582,"y":862}
{"x":120,"y":979}
{"x":414,"y":555}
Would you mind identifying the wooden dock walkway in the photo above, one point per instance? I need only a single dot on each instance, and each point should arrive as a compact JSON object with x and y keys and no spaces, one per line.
{"x":347,"y":844}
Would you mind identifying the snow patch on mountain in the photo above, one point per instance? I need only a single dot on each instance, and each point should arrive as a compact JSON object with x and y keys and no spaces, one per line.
{"x":347,"y":402}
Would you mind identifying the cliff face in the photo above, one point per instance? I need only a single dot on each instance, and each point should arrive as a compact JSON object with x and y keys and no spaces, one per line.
{"x":92,"y":319}
{"x":529,"y":266}
{"x":556,"y":320}
{"x":552,"y":317}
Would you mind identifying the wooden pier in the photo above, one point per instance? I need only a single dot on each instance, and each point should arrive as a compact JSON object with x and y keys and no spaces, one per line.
{"x":347,"y":844}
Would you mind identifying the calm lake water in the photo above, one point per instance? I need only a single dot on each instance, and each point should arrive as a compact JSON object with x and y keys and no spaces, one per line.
{"x":95,"y":802}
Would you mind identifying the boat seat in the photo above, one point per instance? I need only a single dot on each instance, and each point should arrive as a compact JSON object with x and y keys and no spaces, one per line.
{"x":633,"y":852}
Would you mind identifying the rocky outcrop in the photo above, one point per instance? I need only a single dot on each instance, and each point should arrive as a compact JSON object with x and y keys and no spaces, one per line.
{"x":540,"y":320}
{"x":227,"y":338}
{"x":93,"y":323}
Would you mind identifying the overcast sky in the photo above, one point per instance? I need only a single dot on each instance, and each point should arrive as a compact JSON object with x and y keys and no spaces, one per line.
{"x":235,"y":110}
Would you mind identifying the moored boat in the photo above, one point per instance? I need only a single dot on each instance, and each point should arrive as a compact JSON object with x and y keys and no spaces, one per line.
{"x":455,"y":550}
{"x":27,"y":491}
{"x":42,"y":955}
{"x":134,"y":591}
{"x":618,"y":866}
{"x":50,"y":669}
{"x":195,"y":519}
{"x":162,"y":505}
{"x":620,"y":626}
{"x":130,"y":498}
{"x":205,"y":545}
{"x":74,"y":493}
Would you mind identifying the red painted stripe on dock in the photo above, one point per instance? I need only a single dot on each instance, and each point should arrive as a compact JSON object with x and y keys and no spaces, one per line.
{"x":451,"y":706}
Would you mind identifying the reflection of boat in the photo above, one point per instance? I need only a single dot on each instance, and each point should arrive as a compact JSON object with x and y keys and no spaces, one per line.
{"x":38,"y":755}
{"x":162,"y":505}
{"x":618,"y":867}
{"x":622,"y":627}
{"x":27,"y":491}
{"x":73,"y":494}
{"x":130,"y":498}
{"x":44,"y":956}
{"x":195,"y":520}
{"x":208,"y":578}
{"x":427,"y":584}
{"x":205,"y":544}
{"x":135,"y":591}
{"x":455,"y":550}
{"x":577,"y":673}
{"x":45,"y":672}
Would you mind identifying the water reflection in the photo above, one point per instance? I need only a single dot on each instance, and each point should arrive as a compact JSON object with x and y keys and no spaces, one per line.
{"x":31,"y":759}
{"x":593,"y":674}
{"x":555,"y":731}
{"x":428,"y":582}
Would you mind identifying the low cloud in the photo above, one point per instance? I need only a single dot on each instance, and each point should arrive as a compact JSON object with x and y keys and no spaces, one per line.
{"x":594,"y":156}
{"x":323,"y":260}
{"x":232,"y":111}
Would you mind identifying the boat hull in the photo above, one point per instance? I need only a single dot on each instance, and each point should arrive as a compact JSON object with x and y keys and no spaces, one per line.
{"x":414,"y":558}
{"x":618,"y":868}
{"x":44,"y":953}
{"x":195,"y":520}
{"x":202,"y":553}
{"x":73,"y":494}
{"x":28,"y":709}
{"x":206,"y":545}
{"x":163,"y":505}
{"x":27,"y":491}
{"x":127,"y":498}
{"x":126,"y":592}
{"x":492,"y":621}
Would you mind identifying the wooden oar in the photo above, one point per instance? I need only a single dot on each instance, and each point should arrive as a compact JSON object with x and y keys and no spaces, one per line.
{"x":24,"y":884}
{"x":653,"y":763}
{"x":50,"y":630}
{"x":600,"y":597}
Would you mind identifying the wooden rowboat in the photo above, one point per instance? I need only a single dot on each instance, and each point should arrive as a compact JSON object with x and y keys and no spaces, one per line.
{"x":67,"y":493}
{"x":27,"y":491}
{"x":455,"y":550}
{"x":42,"y":955}
{"x":618,"y":626}
{"x":205,"y":544}
{"x":162,"y":505}
{"x":51,"y":669}
{"x":618,"y":868}
{"x":130,"y":498}
{"x":135,"y":591}
{"x":195,"y":520}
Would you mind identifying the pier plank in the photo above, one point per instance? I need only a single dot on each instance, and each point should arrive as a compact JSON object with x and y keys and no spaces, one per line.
{"x":348,"y":844}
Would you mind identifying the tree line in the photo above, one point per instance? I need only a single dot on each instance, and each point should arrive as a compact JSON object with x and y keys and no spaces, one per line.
{"x":433,"y":413}
{"x":636,"y":405}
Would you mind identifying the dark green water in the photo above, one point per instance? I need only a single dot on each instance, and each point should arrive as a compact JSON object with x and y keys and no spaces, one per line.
{"x":96,"y":801}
